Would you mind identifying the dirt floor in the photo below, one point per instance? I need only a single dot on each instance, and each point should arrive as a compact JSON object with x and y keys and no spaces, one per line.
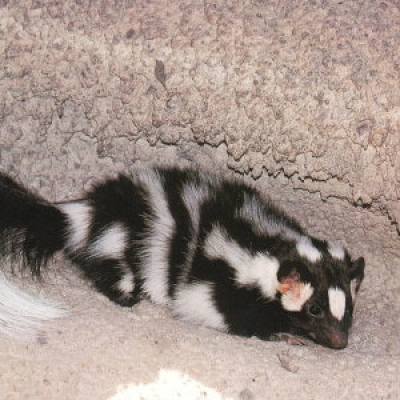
{"x":103,"y":351}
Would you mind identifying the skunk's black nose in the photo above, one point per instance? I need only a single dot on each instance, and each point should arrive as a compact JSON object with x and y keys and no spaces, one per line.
{"x":334,"y":337}
{"x":338,"y":341}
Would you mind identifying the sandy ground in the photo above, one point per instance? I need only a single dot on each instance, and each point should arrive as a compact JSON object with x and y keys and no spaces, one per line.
{"x":103,"y":351}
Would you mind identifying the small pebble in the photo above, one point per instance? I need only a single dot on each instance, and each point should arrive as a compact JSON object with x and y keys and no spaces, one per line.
{"x":41,"y":338}
{"x":287,"y":363}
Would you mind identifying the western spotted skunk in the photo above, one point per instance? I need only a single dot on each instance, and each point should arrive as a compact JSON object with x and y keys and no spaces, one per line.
{"x":216,"y":250}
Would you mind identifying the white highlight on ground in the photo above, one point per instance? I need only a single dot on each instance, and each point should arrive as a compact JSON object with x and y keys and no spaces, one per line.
{"x":170,"y":385}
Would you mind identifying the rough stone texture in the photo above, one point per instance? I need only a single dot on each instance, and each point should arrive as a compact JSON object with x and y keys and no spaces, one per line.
{"x":309,"y":90}
{"x":303,"y":96}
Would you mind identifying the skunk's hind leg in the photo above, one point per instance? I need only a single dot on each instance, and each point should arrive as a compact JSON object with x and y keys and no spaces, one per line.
{"x":100,"y":245}
{"x":114,"y":279}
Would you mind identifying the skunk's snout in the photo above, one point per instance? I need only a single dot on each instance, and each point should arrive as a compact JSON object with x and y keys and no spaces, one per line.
{"x":332,"y":336}
{"x":338,"y":340}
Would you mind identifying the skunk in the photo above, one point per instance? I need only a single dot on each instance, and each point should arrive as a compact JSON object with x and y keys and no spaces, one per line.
{"x":215,"y":250}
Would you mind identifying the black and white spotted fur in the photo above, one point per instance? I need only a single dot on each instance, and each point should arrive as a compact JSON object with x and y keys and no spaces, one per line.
{"x":215,"y":250}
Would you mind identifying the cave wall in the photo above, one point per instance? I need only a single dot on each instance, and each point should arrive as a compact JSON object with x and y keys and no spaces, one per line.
{"x":301,"y":96}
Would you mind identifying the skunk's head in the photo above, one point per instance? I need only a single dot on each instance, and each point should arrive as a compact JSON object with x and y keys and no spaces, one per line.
{"x":318,"y":289}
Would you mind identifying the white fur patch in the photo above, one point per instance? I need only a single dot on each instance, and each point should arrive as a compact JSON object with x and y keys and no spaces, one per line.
{"x":111,"y":243}
{"x":353,"y":290}
{"x":79,"y":218}
{"x":336,"y":251}
{"x":194,"y":303}
{"x":157,"y":241}
{"x":337,"y":302}
{"x":22,"y":314}
{"x":254,"y":212}
{"x":260,"y":270}
{"x":126,"y":284}
{"x":306,"y":249}
{"x":193,"y":196}
{"x":294,"y":299}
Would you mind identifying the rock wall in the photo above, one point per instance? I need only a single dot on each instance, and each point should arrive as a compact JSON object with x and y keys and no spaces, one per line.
{"x":303,"y":96}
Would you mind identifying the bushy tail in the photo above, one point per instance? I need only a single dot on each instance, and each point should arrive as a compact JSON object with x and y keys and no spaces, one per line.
{"x":31,"y":228}
{"x":21,"y":314}
{"x":31,"y":231}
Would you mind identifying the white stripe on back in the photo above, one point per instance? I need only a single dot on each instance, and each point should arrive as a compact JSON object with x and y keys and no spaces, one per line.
{"x":307,"y":250}
{"x":260,"y":269}
{"x":157,"y":241}
{"x":336,"y":251}
{"x":79,"y":219}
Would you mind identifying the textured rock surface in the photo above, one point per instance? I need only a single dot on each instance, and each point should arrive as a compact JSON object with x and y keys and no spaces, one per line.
{"x":303,"y":96}
{"x":309,"y":90}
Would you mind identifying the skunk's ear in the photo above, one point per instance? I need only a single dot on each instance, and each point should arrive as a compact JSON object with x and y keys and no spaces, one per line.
{"x":294,"y":270}
{"x":294,"y":290}
{"x":288,"y":282}
{"x":356,"y":270}
{"x":356,"y":275}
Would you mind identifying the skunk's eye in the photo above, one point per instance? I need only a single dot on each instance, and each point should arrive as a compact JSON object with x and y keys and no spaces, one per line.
{"x":315,"y":311}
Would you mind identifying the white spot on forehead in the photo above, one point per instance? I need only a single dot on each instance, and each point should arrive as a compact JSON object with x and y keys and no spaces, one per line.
{"x":259,"y":269}
{"x":307,"y":250}
{"x":336,"y":251}
{"x":337,"y":302}
{"x":294,"y":299}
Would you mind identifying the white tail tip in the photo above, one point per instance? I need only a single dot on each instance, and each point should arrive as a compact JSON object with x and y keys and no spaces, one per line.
{"x":21,"y":314}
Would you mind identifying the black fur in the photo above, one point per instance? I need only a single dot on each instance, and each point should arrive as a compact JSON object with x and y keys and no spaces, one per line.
{"x":173,"y":182}
{"x":157,"y":220}
{"x":30,"y":227}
